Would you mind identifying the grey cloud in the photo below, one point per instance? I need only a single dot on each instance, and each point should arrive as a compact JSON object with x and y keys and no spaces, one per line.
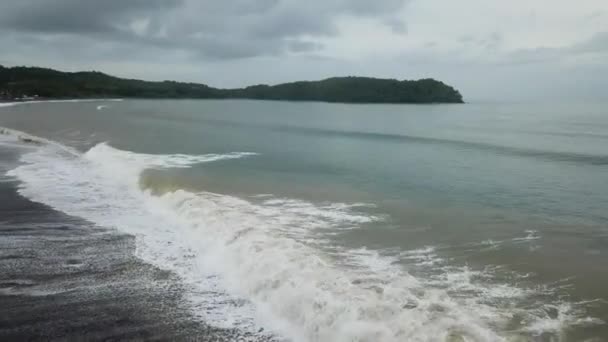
{"x":215,"y":29}
{"x":595,"y":15}
{"x":493,"y":41}
{"x":531,"y":56}
{"x":303,"y":46}
{"x":275,"y":21}
{"x":466,"y":39}
{"x":396,"y":25}
{"x":597,"y":44}
{"x":69,"y":16}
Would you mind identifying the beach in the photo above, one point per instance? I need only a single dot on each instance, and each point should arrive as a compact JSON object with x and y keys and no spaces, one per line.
{"x":65,"y":279}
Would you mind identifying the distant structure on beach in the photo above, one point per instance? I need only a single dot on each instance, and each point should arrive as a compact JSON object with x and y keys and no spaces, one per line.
{"x":7,"y":95}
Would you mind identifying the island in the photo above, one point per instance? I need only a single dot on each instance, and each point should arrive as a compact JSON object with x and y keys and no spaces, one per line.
{"x":42,"y":83}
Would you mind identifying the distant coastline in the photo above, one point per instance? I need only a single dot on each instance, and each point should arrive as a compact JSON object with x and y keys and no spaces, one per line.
{"x":33,"y":84}
{"x":18,"y":101}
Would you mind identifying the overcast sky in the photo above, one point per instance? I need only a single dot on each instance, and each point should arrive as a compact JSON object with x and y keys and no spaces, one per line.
{"x":489,"y":49}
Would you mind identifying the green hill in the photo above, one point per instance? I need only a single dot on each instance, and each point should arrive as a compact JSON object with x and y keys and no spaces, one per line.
{"x":47,"y":83}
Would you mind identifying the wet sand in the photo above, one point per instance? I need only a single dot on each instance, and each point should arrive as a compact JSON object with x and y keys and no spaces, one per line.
{"x":64,"y":279}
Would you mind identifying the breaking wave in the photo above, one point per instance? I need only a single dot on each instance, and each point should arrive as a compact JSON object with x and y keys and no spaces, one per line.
{"x":268,"y":262}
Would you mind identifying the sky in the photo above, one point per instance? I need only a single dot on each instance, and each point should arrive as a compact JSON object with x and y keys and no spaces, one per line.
{"x":491,"y":50}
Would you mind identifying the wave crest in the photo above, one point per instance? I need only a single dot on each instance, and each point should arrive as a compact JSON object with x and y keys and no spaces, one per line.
{"x":105,"y":154}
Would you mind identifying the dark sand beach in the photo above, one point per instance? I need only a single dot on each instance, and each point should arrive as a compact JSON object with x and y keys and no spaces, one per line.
{"x":64,"y":279}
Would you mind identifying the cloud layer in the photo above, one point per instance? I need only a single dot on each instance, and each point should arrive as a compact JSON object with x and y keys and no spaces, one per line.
{"x":469,"y":43}
{"x":215,"y":29}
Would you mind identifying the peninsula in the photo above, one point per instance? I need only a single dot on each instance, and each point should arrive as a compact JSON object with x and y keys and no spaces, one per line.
{"x":34,"y":82}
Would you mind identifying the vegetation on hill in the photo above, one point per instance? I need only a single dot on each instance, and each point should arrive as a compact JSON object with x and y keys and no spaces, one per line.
{"x":17,"y":82}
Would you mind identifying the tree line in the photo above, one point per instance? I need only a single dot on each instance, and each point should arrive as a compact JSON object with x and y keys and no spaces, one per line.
{"x":16,"y":82}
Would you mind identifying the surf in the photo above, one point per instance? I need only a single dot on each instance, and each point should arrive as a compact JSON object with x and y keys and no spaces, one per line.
{"x":266,"y":262}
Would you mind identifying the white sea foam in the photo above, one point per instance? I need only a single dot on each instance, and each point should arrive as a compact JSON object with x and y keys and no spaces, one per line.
{"x":530,"y":235}
{"x":248,"y":264}
{"x":16,"y":136}
{"x":104,"y":155}
{"x":103,"y":191}
{"x":426,"y":256}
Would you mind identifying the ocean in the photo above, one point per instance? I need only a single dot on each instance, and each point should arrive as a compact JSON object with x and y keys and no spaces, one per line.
{"x":306,"y":221}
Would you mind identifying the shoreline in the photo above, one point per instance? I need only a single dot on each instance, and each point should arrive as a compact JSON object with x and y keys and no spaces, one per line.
{"x":15,"y":103}
{"x":205,"y":239}
{"x":53,"y":263}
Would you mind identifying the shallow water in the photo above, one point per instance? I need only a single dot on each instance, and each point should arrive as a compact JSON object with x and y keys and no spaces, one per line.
{"x":335,"y":222}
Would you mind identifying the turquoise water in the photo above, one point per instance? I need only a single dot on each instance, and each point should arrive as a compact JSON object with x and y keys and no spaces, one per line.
{"x":368,"y":222}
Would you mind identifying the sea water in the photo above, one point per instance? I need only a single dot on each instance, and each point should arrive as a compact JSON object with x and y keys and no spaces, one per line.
{"x":336,"y":222}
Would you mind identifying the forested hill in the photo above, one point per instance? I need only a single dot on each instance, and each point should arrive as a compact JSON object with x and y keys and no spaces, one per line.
{"x":17,"y":82}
